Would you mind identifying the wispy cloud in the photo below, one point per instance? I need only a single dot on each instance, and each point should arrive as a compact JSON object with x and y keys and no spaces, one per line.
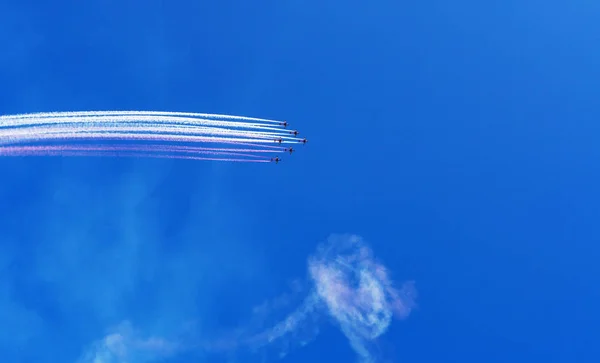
{"x":124,"y":345}
{"x":19,"y":324}
{"x":104,"y":250}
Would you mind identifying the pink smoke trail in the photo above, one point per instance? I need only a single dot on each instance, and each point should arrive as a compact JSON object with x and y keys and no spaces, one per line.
{"x":5,"y":150}
{"x":130,"y":154}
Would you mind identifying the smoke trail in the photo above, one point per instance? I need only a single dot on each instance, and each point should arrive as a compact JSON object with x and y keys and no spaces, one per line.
{"x":346,"y":286}
{"x":132,"y":155}
{"x":170,"y":130}
{"x":118,"y":113}
{"x":38,"y":134}
{"x":349,"y":286}
{"x":190,"y":149}
{"x":123,"y":136}
{"x":16,"y":121}
{"x":142,"y":149}
{"x":358,"y":292}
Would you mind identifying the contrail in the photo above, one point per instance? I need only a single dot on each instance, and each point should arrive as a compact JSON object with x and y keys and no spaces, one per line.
{"x":144,"y":134}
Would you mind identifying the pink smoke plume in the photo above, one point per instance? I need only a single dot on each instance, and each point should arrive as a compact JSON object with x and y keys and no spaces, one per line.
{"x":351,"y":287}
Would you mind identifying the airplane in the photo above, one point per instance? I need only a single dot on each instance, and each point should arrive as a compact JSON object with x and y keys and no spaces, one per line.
{"x":276,"y":159}
{"x":290,"y":150}
{"x":303,"y":141}
{"x":295,"y":132}
{"x":284,"y":124}
{"x":279,"y":140}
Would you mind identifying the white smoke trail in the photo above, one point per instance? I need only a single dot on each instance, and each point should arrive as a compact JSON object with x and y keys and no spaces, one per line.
{"x":137,"y":113}
{"x":350,"y":287}
{"x":358,"y":292}
{"x":16,"y":121}
{"x":57,"y":129}
{"x":9,"y":139}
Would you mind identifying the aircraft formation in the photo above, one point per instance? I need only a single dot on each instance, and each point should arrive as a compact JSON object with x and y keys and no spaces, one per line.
{"x":174,"y":135}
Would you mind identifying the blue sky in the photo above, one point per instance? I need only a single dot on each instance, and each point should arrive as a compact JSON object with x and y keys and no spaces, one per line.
{"x":459,"y":139}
